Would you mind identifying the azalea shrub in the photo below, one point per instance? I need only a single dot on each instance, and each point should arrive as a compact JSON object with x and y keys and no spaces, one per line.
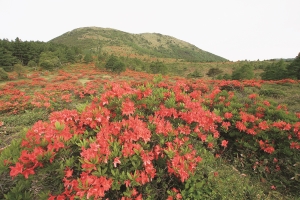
{"x":130,"y":142}
{"x":147,"y":140}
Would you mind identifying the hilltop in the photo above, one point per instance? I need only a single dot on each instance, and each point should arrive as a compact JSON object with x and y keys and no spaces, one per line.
{"x":127,"y":44}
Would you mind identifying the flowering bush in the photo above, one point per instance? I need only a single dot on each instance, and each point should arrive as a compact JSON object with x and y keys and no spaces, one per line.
{"x":127,"y":143}
{"x":146,"y":140}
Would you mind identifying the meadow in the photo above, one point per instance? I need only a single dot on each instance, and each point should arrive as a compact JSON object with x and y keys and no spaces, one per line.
{"x":85,"y":133}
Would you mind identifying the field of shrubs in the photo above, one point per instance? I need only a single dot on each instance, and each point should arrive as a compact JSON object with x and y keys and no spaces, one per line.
{"x":83,"y":133}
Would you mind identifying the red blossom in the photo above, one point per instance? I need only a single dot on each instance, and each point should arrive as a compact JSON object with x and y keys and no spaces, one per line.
{"x":240,"y":126}
{"x":266,"y":103}
{"x":134,"y":192}
{"x":251,"y":131}
{"x":68,"y":172}
{"x":127,"y":183}
{"x":27,"y":172}
{"x":210,"y":145}
{"x":228,"y":115}
{"x":273,"y":187}
{"x":18,"y":169}
{"x":294,"y":145}
{"x":253,"y":96}
{"x":263,"y":125}
{"x":269,"y":149}
{"x":226,"y":125}
{"x":116,"y":161}
{"x":128,"y":107}
{"x":224,"y":143}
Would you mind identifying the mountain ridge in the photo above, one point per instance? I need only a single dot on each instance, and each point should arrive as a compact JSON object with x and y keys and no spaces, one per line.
{"x":122,"y":43}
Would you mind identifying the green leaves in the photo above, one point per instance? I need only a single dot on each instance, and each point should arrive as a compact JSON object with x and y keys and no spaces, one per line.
{"x":101,"y":171}
{"x":59,"y":126}
{"x":19,"y":192}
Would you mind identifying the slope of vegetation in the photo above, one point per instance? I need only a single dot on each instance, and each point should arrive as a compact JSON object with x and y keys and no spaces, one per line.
{"x":149,"y":44}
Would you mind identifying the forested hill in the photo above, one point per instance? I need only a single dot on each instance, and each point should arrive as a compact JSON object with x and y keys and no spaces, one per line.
{"x":125,"y":44}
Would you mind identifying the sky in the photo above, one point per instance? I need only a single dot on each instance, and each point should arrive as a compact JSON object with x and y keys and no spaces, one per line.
{"x":233,"y":29}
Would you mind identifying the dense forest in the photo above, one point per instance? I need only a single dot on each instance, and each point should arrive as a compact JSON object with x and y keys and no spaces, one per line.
{"x":29,"y":52}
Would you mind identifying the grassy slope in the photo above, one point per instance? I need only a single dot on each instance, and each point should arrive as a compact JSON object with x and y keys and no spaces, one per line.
{"x":145,"y":44}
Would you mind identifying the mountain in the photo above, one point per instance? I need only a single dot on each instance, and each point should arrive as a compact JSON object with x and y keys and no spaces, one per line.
{"x":125,"y":44}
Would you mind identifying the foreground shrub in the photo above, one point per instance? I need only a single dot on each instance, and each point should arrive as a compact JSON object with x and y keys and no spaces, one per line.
{"x":130,"y":142}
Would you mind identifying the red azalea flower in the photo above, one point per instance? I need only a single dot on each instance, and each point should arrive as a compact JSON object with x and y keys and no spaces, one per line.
{"x":263,"y":125}
{"x":27,"y":172}
{"x":224,"y":143}
{"x":128,"y":107}
{"x":228,"y":115}
{"x":116,"y":161}
{"x":266,"y":103}
{"x":252,"y":96}
{"x":240,"y":126}
{"x":269,"y":149}
{"x":226,"y":125}
{"x":68,"y":172}
{"x":273,"y":187}
{"x":210,"y":145}
{"x":14,"y":171}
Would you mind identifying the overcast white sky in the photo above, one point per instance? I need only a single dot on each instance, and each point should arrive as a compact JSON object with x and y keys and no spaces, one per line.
{"x":233,"y":29}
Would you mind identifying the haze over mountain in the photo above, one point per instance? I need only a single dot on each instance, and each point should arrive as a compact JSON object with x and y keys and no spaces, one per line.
{"x":124,"y":44}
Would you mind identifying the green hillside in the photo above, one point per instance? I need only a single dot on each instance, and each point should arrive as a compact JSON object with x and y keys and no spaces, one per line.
{"x":125,"y":44}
